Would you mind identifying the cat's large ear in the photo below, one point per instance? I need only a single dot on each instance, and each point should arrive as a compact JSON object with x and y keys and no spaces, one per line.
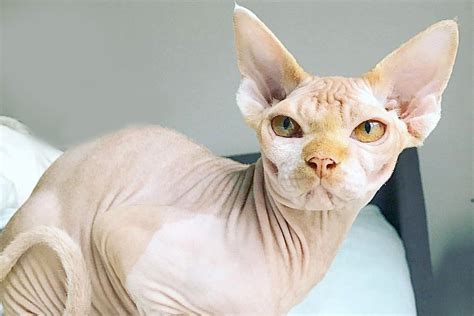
{"x":269,"y":72}
{"x":412,"y":79}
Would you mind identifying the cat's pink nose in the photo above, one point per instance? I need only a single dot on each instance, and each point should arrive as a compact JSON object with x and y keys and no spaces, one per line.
{"x":322,"y":166}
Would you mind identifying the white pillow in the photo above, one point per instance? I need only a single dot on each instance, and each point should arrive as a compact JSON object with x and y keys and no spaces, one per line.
{"x":8,"y":200}
{"x":369,"y":275}
{"x":23,"y":159}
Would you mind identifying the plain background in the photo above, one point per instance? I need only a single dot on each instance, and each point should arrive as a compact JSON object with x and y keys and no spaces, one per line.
{"x":72,"y":70}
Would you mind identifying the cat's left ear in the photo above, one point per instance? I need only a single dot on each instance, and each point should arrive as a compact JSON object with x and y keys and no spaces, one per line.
{"x":269,"y":72}
{"x":412,"y":79}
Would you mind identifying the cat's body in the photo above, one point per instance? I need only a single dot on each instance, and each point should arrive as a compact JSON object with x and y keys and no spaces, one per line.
{"x":211,"y":219}
{"x":160,"y":225}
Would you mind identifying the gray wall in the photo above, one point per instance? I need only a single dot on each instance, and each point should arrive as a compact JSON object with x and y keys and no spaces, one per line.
{"x":74,"y":69}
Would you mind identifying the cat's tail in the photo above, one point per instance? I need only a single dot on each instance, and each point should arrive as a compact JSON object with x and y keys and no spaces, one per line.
{"x":78,"y":300}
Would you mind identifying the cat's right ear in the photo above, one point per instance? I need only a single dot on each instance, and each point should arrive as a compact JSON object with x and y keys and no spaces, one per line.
{"x":269,"y":72}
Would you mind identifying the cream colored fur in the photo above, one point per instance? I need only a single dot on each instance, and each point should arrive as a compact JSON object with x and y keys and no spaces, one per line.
{"x":166,"y":227}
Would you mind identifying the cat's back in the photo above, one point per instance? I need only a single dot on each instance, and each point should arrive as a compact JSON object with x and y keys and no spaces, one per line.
{"x":119,"y":158}
{"x":140,"y":145}
{"x":126,"y":160}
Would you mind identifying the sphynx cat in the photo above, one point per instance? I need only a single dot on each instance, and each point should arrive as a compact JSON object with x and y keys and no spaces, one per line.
{"x":144,"y":221}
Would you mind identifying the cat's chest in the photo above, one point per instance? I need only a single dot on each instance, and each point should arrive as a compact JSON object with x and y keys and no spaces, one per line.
{"x":200,"y":265}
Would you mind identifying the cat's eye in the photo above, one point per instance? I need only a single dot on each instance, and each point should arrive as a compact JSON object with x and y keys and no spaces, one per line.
{"x":369,"y":131}
{"x":285,"y":126}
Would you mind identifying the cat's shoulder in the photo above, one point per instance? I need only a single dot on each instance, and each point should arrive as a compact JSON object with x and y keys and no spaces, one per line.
{"x":145,"y":132}
{"x":152,"y":137}
{"x":134,"y":142}
{"x":140,"y":137}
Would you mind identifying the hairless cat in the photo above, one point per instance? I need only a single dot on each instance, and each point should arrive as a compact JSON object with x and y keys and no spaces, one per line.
{"x":144,"y":221}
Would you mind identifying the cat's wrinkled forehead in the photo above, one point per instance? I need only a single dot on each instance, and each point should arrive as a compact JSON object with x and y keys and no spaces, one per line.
{"x":331,"y":102}
{"x":335,"y":91}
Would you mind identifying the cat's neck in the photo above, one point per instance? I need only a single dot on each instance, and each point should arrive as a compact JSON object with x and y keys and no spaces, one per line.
{"x":304,"y":243}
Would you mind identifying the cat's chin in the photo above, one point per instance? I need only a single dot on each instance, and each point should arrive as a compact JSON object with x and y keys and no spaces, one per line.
{"x":319,"y":199}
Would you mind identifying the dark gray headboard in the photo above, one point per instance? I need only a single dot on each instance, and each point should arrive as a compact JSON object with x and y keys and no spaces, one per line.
{"x":402,"y":203}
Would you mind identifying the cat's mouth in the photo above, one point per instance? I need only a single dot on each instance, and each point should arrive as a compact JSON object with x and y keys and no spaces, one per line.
{"x":313,"y":195}
{"x":319,"y":199}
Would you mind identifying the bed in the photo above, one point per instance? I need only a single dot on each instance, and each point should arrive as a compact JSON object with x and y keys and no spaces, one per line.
{"x":383,"y":266}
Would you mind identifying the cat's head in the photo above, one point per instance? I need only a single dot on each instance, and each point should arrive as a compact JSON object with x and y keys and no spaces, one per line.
{"x":327,"y":141}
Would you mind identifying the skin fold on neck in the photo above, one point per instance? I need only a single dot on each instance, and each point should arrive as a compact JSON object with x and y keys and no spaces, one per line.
{"x":300,"y":244}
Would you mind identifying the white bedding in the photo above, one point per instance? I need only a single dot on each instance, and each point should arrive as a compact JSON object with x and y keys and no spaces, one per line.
{"x":23,"y":159}
{"x":368,"y":276}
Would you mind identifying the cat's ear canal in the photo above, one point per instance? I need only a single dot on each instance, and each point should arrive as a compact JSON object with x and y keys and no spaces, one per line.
{"x":412,"y":79}
{"x":269,"y":72}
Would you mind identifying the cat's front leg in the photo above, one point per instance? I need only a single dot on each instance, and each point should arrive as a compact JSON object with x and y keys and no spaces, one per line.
{"x":146,"y":260}
{"x":121,"y":237}
{"x":172,"y":261}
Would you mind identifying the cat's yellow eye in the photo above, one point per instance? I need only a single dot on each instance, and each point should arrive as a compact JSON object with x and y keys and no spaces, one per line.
{"x":369,"y":131}
{"x":285,"y":126}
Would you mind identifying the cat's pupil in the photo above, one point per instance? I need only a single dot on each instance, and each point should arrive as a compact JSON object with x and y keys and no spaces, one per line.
{"x":367,"y":127}
{"x":286,"y":123}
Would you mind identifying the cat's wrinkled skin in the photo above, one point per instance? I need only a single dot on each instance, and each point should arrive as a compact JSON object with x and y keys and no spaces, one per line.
{"x":164,"y":226}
